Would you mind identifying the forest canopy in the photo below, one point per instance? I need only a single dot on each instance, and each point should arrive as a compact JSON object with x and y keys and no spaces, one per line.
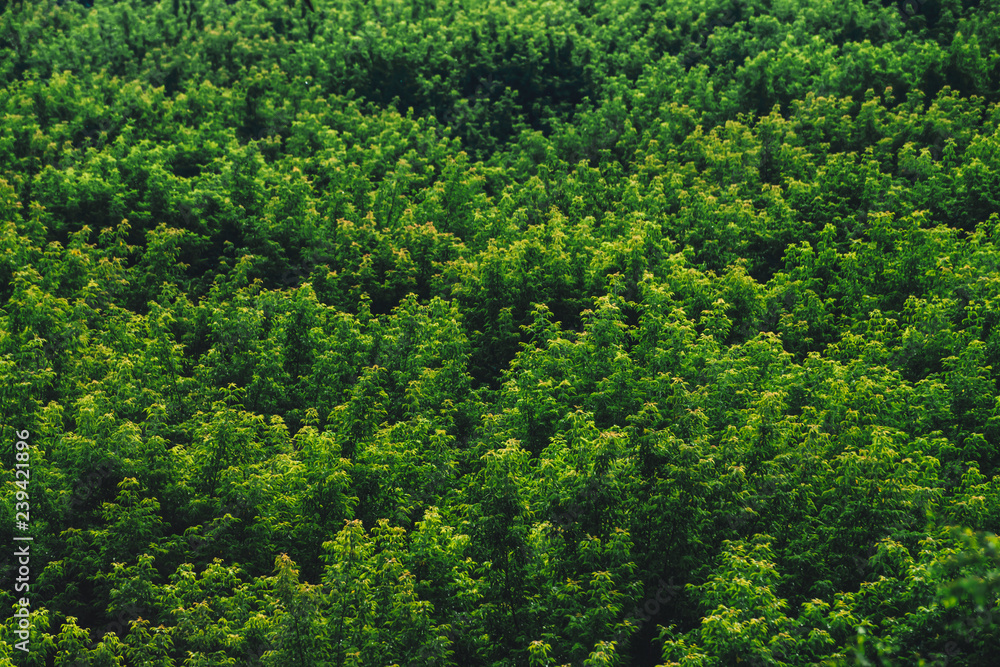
{"x":500,"y":333}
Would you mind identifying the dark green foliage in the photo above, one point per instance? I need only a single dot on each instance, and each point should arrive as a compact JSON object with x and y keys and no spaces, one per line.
{"x":502,"y":333}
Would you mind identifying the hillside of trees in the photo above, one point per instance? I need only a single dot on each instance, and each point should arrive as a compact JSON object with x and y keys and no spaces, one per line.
{"x":500,"y":333}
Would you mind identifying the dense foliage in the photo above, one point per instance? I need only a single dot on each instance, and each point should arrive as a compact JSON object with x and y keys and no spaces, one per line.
{"x":502,"y":332}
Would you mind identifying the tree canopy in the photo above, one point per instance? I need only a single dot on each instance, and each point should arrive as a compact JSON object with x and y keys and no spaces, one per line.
{"x":501,"y":333}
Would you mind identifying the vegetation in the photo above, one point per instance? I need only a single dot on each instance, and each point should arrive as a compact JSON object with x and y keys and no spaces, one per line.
{"x":502,"y":332}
